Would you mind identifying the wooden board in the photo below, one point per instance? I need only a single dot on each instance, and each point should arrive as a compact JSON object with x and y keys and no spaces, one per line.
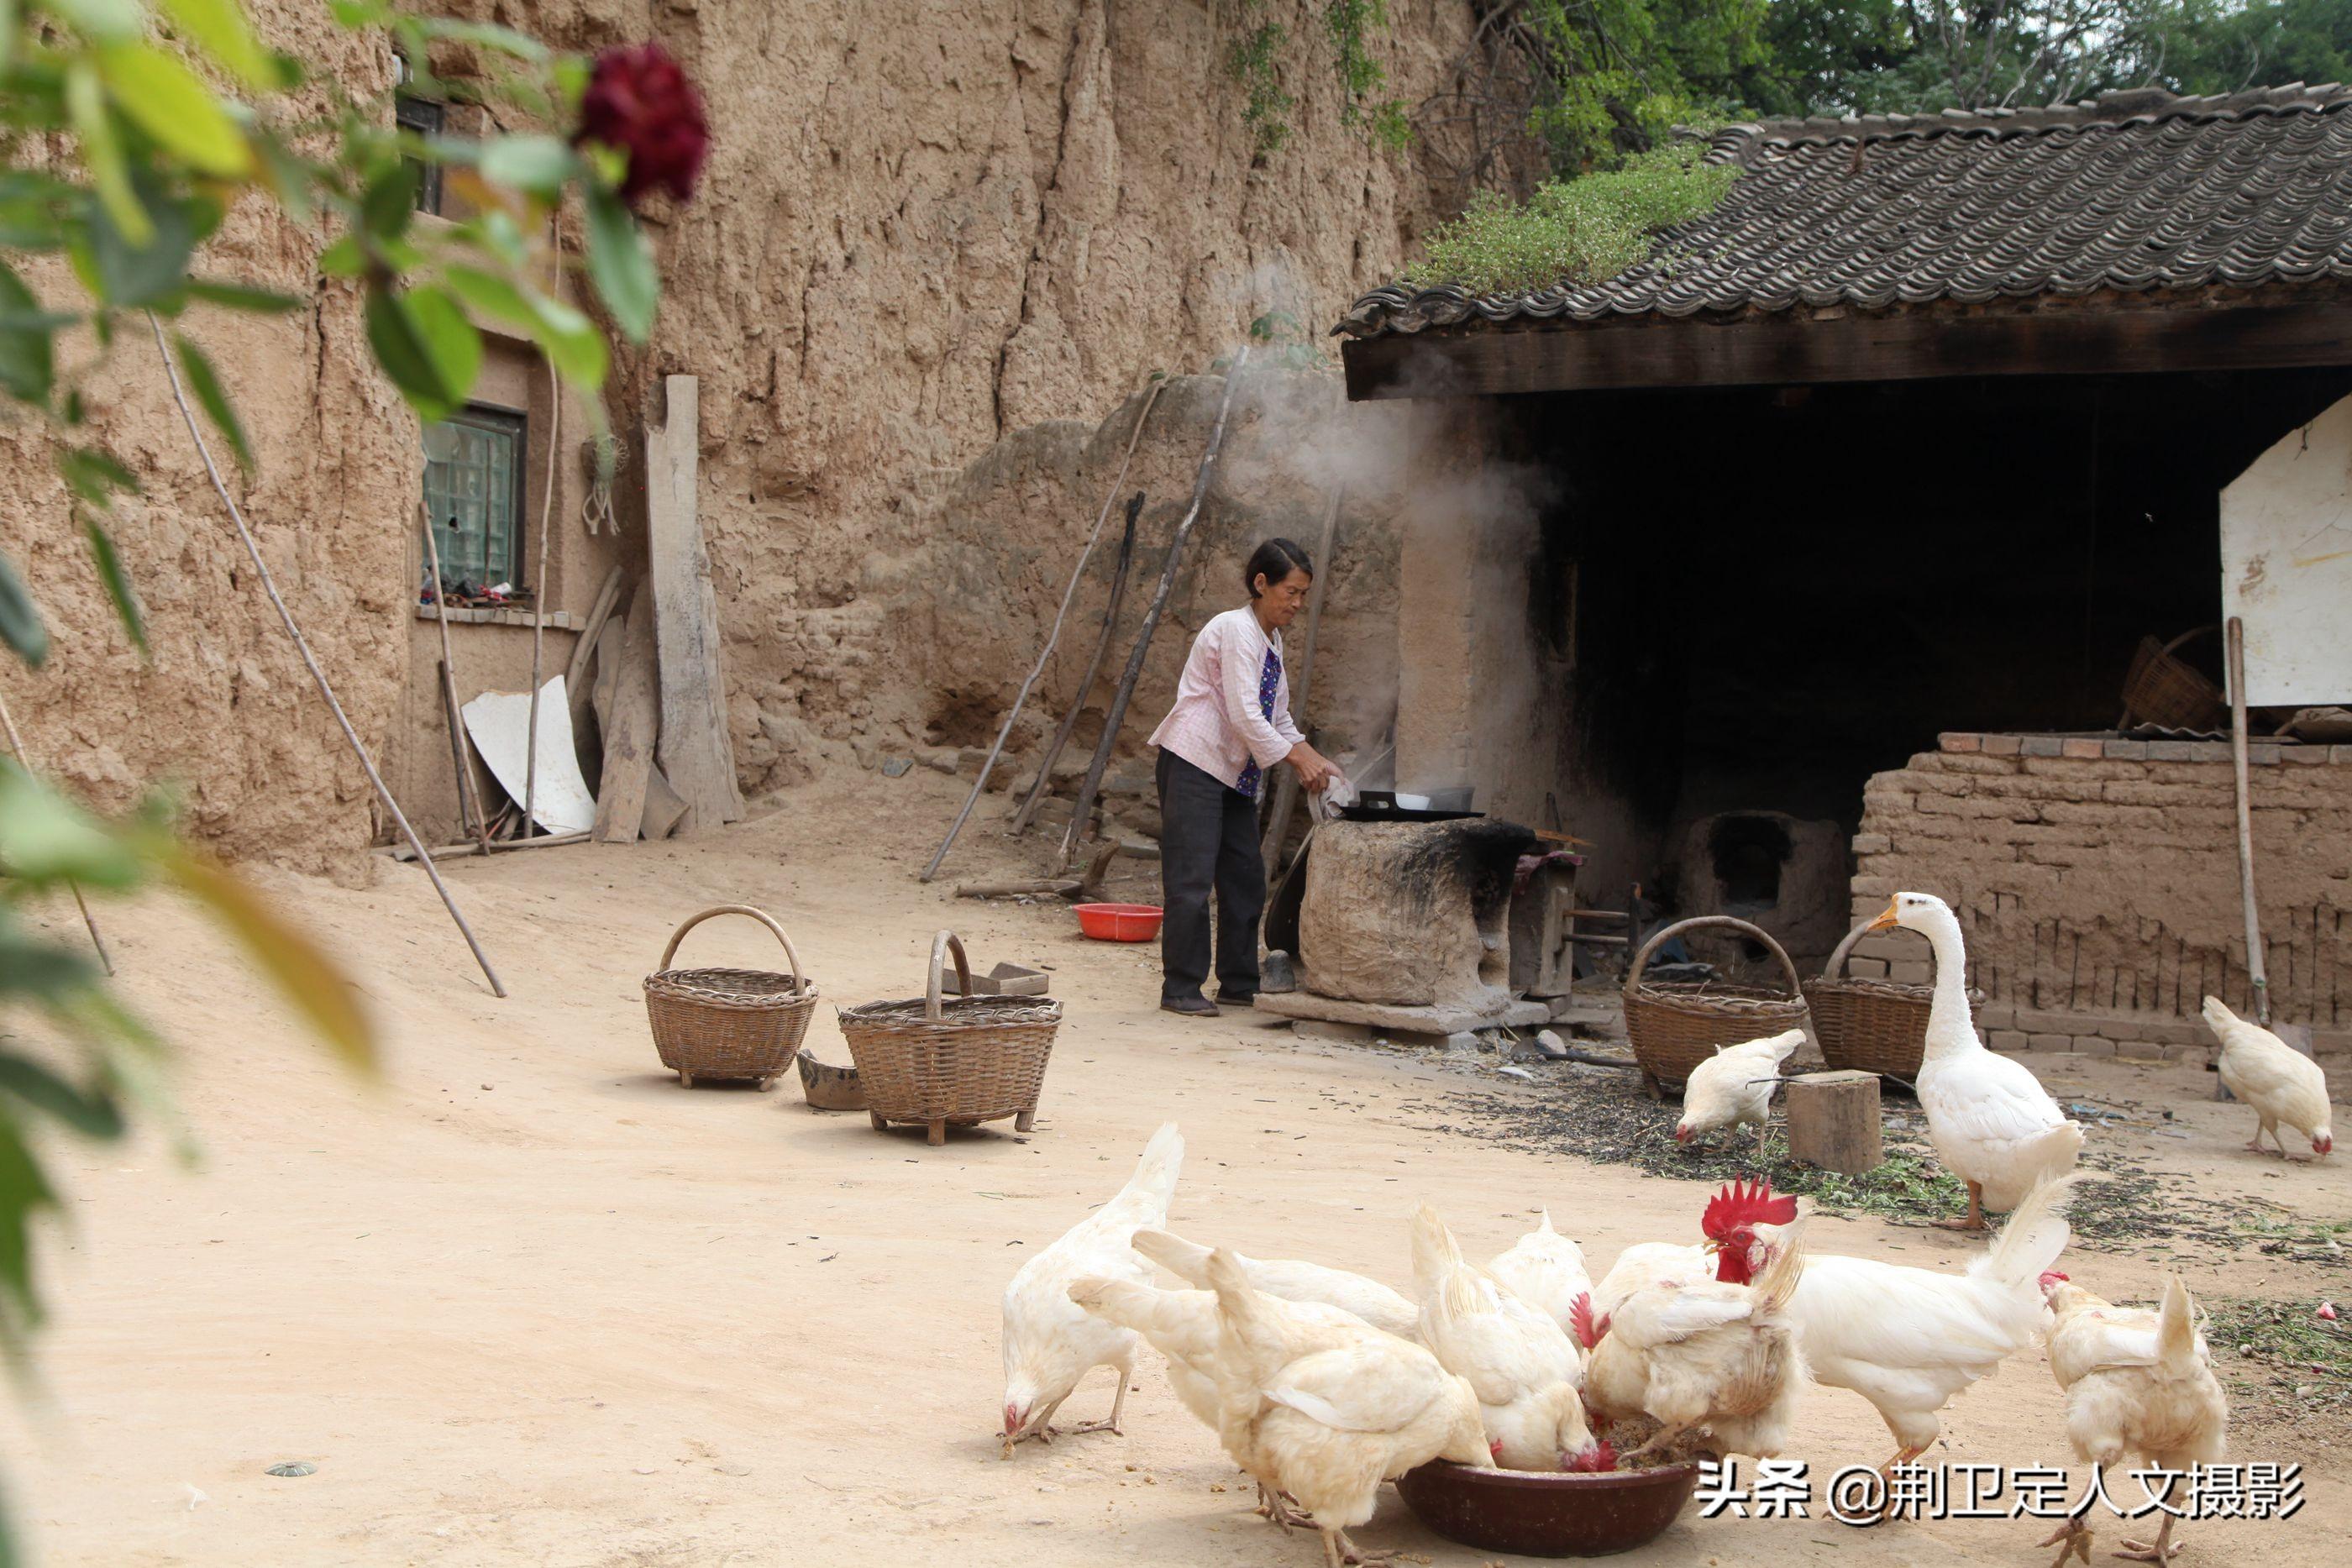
{"x":695,"y":752}
{"x":1785,"y":349}
{"x":665,"y":814}
{"x":629,"y":731}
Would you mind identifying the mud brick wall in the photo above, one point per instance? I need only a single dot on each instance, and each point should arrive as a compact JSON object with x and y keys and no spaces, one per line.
{"x":2097,"y":882}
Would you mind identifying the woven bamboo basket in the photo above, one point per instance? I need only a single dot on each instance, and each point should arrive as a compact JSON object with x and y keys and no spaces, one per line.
{"x":1871,"y":1026}
{"x":2169,"y":692}
{"x":729,"y":1024}
{"x":951,"y":1058}
{"x":1675,"y":1025}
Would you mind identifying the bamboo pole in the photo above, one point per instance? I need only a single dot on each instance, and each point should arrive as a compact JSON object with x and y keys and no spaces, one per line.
{"x":466,"y":795}
{"x":269,"y":587}
{"x":539,"y":592}
{"x":16,"y":749}
{"x":402,"y":853}
{"x":1053,"y":753}
{"x":1285,"y":788}
{"x":1052,"y":635}
{"x":2256,"y":970}
{"x":1125,"y":693}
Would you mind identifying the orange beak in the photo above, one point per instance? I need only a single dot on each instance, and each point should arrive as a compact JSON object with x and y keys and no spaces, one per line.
{"x":1886,"y":919}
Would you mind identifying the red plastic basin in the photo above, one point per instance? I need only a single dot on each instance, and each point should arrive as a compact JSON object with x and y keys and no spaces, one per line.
{"x":1120,"y":921}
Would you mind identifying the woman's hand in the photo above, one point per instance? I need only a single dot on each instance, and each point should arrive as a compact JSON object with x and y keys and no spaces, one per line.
{"x":1316,"y":771}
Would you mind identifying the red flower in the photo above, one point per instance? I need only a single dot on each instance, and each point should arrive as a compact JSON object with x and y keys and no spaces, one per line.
{"x":639,"y":103}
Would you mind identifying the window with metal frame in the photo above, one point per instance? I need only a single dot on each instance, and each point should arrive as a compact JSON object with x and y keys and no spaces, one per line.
{"x":474,"y":495}
{"x":423,"y":117}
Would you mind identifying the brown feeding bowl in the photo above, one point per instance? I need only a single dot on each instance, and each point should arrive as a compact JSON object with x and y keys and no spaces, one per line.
{"x":1544,"y":1513}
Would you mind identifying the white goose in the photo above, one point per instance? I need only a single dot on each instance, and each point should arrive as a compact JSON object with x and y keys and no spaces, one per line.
{"x":1993,"y":1125}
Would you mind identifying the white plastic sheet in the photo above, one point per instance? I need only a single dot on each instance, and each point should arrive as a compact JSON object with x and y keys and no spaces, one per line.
{"x":2286,"y":564}
{"x":499,"y":723}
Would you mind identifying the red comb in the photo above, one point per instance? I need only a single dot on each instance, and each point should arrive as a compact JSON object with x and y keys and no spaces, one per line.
{"x":1579,"y":1318}
{"x":1600,"y":1461}
{"x":1743,"y":1203}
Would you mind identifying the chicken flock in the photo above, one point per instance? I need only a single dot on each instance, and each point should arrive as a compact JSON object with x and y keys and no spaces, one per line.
{"x":1321,"y":1384}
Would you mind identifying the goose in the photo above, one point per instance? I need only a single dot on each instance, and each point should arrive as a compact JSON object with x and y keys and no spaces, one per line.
{"x":1992,"y":1123}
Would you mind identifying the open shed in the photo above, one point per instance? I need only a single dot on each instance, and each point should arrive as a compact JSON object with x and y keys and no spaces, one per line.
{"x":1839,"y":521}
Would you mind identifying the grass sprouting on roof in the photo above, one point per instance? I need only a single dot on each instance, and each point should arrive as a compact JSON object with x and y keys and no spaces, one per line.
{"x":1584,"y":230}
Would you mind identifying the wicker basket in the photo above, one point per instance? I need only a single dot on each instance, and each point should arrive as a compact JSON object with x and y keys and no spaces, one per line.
{"x":1675,"y":1025}
{"x":729,"y":1024}
{"x":959,"y":1059}
{"x":1871,"y":1026}
{"x":2171,"y":693}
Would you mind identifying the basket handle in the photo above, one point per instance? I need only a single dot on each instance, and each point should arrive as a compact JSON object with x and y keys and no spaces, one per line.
{"x":1756,"y":933}
{"x":762,"y":915}
{"x":943,"y":943}
{"x":1839,"y":954}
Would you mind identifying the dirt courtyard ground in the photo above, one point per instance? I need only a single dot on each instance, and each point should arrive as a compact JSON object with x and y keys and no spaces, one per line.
{"x":528,"y":1301}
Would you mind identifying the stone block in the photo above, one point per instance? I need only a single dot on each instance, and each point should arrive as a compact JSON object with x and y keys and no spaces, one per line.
{"x":2048,"y":1042}
{"x":2042,"y":745}
{"x":2082,"y":746}
{"x":1973,"y":763}
{"x":2208,"y":751}
{"x":2170,"y":751}
{"x":1871,"y":843}
{"x":1959,"y":742}
{"x":2143,"y":1051}
{"x":2304,"y":755}
{"x":1997,"y":1015}
{"x":1874,"y":887}
{"x":2263,"y":753}
{"x":2002,"y":744}
{"x":2094,"y":1045}
{"x":2007,"y":1040}
{"x":1866,"y":968}
{"x":1911,"y":972}
{"x":2124,"y":750}
{"x":2339,"y":754}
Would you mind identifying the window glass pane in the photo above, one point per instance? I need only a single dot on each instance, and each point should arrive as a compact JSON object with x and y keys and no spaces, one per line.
{"x":472,"y":462}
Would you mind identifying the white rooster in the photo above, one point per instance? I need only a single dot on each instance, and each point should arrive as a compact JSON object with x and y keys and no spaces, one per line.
{"x":1328,"y":1426}
{"x":1909,"y":1340}
{"x":2137,"y":1382}
{"x":2282,"y":1084}
{"x":1293,"y":1281}
{"x":1544,"y":1269}
{"x":1050,"y":1341}
{"x":1518,"y":1358}
{"x":1734,"y":1087}
{"x":1992,"y":1123}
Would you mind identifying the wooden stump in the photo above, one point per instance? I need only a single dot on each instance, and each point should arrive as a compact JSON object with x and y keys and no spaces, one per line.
{"x":1833,"y":1122}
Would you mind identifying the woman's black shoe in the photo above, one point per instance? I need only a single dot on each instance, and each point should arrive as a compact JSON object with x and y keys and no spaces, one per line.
{"x":1191,"y":1007}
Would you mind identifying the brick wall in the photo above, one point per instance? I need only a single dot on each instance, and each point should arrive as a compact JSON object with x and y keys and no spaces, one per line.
{"x":2097,"y":882}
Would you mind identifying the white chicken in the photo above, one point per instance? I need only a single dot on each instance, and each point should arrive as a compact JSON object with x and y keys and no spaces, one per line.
{"x":2137,"y":1382}
{"x":1992,"y":1123}
{"x":1712,"y":1355}
{"x":1544,"y":1269}
{"x":1647,"y":1263}
{"x":1294,"y":1281}
{"x":2282,"y":1085}
{"x":1328,"y":1426}
{"x":1909,"y":1340}
{"x":1517,"y":1356}
{"x":1050,"y":1342}
{"x":1734,"y":1087}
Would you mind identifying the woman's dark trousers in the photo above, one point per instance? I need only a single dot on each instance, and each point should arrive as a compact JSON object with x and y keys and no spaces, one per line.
{"x":1208,"y":840}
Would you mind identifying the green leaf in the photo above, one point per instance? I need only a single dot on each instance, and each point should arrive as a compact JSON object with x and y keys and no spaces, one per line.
{"x":108,"y":20}
{"x":44,"y":838}
{"x":288,"y":179}
{"x":163,"y":98}
{"x":101,"y":150}
{"x":124,"y":271}
{"x":7,"y":59}
{"x":117,"y":583}
{"x":28,"y":356}
{"x":356,"y":13}
{"x":491,"y":295}
{"x":344,"y":258}
{"x":32,"y":208}
{"x":390,"y":200}
{"x":489,"y":34}
{"x":94,"y":475}
{"x":25,"y":1191}
{"x":540,"y":164}
{"x":621,"y":264}
{"x":242,"y":297}
{"x":20,"y":619}
{"x":219,"y":26}
{"x":307,"y":977}
{"x":423,"y":358}
{"x":571,"y":341}
{"x":198,"y":367}
{"x":92,"y":1114}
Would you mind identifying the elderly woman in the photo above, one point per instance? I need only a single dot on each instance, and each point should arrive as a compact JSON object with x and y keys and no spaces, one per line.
{"x":1230,"y":726}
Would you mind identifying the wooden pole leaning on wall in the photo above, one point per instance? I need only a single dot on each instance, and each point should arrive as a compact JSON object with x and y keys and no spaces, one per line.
{"x":468,"y":799}
{"x":538,"y":592}
{"x":16,"y":749}
{"x":310,"y":661}
{"x":1043,"y":782}
{"x":1125,"y":693}
{"x":1053,"y":634}
{"x":2257,"y":973}
{"x":1285,"y":784}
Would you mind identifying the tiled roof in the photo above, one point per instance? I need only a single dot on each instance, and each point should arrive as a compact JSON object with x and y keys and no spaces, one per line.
{"x":2132,"y":190}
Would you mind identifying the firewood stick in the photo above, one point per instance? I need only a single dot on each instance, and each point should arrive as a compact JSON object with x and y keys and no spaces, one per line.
{"x":2257,"y":974}
{"x":16,"y":749}
{"x":576,"y":675}
{"x":1052,"y":635}
{"x":1142,"y":649}
{"x":1285,"y":788}
{"x":538,"y":593}
{"x":1053,"y":754}
{"x":310,"y":661}
{"x":466,"y":797}
{"x":445,"y":851}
